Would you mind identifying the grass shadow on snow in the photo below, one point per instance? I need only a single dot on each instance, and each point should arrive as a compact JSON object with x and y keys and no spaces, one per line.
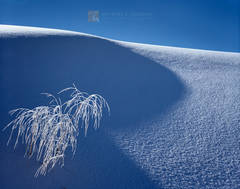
{"x":135,"y":87}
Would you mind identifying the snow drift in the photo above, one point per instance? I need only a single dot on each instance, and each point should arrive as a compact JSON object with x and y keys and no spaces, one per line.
{"x":175,"y":113}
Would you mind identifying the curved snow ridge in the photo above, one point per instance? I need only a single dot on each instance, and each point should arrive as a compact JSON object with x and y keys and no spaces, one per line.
{"x":27,"y":31}
{"x":190,"y":142}
{"x":144,"y":49}
{"x":184,"y":57}
{"x":152,"y":47}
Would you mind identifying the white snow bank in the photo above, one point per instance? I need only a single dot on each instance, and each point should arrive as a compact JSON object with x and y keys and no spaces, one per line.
{"x":16,"y":31}
{"x":175,"y":113}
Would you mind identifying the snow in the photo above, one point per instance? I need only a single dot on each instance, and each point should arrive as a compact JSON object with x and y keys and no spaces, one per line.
{"x":7,"y":31}
{"x":175,"y":112}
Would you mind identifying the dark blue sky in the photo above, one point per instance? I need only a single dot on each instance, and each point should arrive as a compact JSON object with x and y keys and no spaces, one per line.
{"x":200,"y":24}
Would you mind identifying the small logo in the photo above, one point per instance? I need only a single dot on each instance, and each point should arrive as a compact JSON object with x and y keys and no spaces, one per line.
{"x":93,"y":16}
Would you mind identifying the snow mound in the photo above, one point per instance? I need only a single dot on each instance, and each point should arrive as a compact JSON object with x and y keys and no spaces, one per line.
{"x":7,"y":31}
{"x":175,"y":112}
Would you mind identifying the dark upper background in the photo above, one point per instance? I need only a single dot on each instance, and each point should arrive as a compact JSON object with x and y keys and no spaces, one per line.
{"x":200,"y":24}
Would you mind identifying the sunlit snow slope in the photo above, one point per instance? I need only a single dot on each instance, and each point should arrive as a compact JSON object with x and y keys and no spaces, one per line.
{"x":175,"y":113}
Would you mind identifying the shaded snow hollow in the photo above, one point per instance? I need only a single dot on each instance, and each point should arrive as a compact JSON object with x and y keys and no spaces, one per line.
{"x":175,"y":112}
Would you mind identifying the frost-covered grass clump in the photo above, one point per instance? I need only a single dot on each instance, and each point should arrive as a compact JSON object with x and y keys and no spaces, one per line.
{"x":47,"y":131}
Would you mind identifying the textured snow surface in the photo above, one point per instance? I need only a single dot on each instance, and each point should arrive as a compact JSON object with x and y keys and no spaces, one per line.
{"x":175,"y":113}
